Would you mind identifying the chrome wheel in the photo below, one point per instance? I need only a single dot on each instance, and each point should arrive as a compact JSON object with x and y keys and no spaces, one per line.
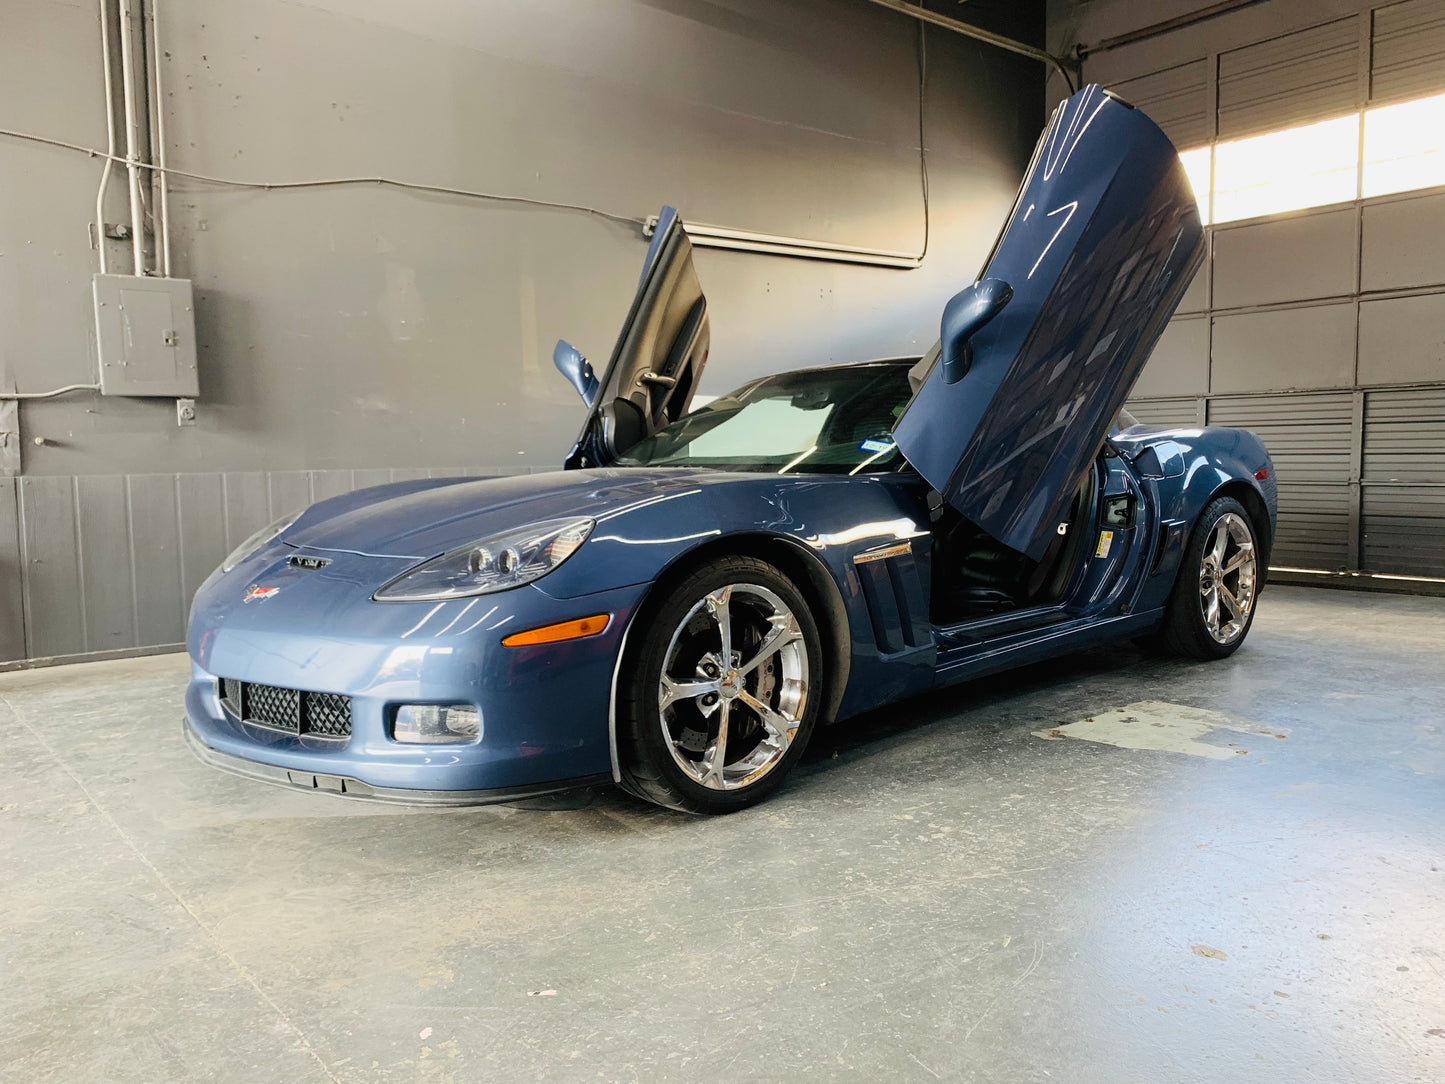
{"x":1227,"y":578}
{"x":734,"y":686}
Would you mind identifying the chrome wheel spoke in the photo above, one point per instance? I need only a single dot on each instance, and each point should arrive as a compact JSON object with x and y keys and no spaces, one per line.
{"x":1221,"y":543}
{"x":719,"y":606}
{"x":784,"y":631}
{"x":1231,"y":603}
{"x":673,"y":691}
{"x":1245,"y":556}
{"x":779,"y":727}
{"x":714,"y":758}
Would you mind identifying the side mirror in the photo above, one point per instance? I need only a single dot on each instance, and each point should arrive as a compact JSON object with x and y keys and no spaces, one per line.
{"x":964,"y":315}
{"x":575,"y":367}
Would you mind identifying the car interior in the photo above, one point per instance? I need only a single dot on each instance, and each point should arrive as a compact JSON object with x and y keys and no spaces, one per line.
{"x":976,"y":577}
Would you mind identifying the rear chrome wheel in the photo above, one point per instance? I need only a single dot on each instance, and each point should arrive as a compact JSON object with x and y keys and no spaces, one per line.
{"x":1226,"y":578}
{"x":719,"y":701}
{"x":1220,"y":575}
{"x":734,"y":686}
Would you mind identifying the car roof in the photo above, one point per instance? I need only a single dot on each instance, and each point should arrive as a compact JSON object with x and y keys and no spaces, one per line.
{"x":902,"y":361}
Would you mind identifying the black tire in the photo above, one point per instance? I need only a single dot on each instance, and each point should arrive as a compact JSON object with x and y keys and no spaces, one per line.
{"x":649,"y":749}
{"x":1188,"y":630}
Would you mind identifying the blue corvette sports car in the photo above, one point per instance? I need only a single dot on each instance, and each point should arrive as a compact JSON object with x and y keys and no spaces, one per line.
{"x":680,"y":608}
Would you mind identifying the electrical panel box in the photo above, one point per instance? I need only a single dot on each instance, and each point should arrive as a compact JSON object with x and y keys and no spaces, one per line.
{"x":145,"y":329}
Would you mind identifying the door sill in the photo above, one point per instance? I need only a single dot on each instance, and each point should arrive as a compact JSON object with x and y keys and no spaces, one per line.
{"x":980,"y":630}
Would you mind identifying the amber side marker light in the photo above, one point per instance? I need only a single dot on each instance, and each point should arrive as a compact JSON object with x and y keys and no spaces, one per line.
{"x":565,"y":630}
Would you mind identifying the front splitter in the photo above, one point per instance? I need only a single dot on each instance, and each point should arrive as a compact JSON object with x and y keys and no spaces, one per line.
{"x":345,"y":787}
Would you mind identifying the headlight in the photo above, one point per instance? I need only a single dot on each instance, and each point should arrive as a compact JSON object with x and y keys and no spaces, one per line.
{"x":493,"y":564}
{"x":259,"y":539}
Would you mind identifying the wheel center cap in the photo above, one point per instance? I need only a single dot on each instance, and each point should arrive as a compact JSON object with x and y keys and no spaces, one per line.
{"x":730,"y":685}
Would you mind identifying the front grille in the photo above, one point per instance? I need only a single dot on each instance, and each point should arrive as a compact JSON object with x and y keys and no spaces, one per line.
{"x":295,"y":711}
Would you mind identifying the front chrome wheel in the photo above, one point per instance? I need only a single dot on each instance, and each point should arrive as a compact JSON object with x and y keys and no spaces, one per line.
{"x":1227,"y":578}
{"x":734,"y":686}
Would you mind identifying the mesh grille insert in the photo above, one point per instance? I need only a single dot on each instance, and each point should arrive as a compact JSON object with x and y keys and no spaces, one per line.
{"x":325,"y":715}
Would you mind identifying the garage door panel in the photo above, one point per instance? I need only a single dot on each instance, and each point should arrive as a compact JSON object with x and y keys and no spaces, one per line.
{"x":1405,"y":436}
{"x":1308,"y":436}
{"x":1180,"y":362}
{"x":1171,"y":413}
{"x":1311,"y":347}
{"x":1401,"y":243}
{"x":1407,"y":47}
{"x":1289,"y":80}
{"x":1403,"y":530}
{"x":1290,"y":259}
{"x":1402,"y":340}
{"x":1176,"y":99}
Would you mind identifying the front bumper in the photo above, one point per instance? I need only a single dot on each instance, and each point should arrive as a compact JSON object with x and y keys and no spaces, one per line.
{"x":355,"y":788}
{"x":544,"y":709}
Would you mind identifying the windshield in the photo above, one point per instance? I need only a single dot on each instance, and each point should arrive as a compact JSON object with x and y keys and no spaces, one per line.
{"x":824,"y":421}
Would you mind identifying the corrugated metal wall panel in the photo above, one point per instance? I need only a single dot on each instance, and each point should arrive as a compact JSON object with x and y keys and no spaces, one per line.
{"x":1177,"y":100}
{"x":1405,"y":436}
{"x":107,"y":562}
{"x":1295,"y":79}
{"x":53,"y":605}
{"x":1403,"y":530}
{"x":103,"y":535}
{"x":1173,"y":413}
{"x":1407,"y":50}
{"x":12,"y":608}
{"x":155,"y":532}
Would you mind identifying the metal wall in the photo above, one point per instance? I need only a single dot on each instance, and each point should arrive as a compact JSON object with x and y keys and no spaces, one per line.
{"x":1322,"y":330}
{"x":347,"y":332}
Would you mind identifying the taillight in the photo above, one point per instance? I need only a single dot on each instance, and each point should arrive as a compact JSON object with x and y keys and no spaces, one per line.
{"x":1261,"y":474}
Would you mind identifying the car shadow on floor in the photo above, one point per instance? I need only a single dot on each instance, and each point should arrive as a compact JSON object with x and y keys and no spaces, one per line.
{"x":855,"y":738}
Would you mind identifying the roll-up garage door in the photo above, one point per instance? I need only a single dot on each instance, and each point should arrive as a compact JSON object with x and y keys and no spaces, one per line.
{"x":1402,"y":513}
{"x":1302,"y":77}
{"x":1176,"y":99}
{"x":1309,"y":439}
{"x":1407,"y":50}
{"x":1321,"y":328}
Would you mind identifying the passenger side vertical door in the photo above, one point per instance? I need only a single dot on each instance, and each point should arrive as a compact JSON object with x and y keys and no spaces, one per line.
{"x":1038,"y":356}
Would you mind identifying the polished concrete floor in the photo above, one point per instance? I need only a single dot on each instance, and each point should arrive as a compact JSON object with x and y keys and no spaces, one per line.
{"x":1109,"y":868}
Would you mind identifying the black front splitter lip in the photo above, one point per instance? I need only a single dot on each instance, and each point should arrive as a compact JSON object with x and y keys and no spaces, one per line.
{"x":343,"y":786}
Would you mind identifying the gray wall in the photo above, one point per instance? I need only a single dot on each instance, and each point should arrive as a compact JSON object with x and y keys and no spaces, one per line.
{"x":1323,"y":330}
{"x":349,"y":334}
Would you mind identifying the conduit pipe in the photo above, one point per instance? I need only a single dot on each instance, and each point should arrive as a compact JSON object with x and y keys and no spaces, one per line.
{"x":132,"y":134}
{"x":158,"y":144}
{"x":918,"y":11}
{"x":109,"y":133}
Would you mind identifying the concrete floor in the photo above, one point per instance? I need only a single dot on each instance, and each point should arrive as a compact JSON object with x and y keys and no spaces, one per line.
{"x":961,"y":888}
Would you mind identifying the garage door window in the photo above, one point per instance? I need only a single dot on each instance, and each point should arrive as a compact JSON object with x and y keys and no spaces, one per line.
{"x":1405,"y":146}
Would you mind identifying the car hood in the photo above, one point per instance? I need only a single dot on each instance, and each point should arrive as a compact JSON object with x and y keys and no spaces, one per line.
{"x":423,"y":518}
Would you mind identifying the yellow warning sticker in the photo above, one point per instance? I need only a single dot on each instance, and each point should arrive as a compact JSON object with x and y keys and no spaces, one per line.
{"x":1106,"y":540}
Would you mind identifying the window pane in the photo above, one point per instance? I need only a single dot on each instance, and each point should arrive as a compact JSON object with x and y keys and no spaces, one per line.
{"x":1196,"y":166}
{"x":1405,"y":146}
{"x":1284,"y":171}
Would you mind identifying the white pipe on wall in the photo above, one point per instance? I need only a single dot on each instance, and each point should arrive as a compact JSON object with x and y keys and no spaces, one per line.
{"x":158,"y":145}
{"x":132,"y":134}
{"x":109,"y":133}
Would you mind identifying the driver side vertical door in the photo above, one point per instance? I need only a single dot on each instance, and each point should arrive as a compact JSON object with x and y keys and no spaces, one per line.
{"x":659,"y":356}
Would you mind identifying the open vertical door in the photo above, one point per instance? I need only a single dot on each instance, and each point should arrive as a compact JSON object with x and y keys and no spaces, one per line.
{"x":659,"y":356}
{"x":1039,"y":354}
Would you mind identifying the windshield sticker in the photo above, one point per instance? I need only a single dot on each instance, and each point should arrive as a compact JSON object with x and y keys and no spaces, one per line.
{"x":878,"y":446}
